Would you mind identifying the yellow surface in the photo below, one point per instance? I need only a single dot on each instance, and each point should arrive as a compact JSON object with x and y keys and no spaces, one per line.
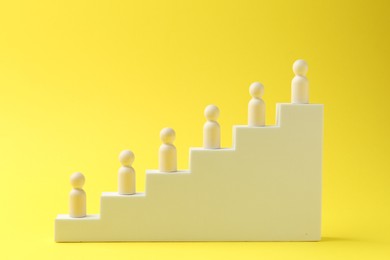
{"x":82,"y":80}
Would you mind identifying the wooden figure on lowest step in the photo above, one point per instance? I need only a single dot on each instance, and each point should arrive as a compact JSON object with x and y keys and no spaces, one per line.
{"x":211,"y":129}
{"x":300,"y":84}
{"x":167,"y":152}
{"x":126,"y":174}
{"x":256,"y":106}
{"x":77,"y":196}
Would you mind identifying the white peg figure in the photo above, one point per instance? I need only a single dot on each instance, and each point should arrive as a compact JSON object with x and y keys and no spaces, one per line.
{"x":126,"y":173}
{"x":256,"y":106}
{"x":167,"y":152}
{"x":300,"y":84}
{"x":77,"y":196}
{"x":211,"y":129}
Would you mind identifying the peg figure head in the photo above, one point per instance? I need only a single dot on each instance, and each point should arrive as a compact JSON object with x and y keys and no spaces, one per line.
{"x":211,"y":113}
{"x":256,"y":90}
{"x":167,"y":135}
{"x":300,"y":68}
{"x":77,"y":180}
{"x":126,"y":158}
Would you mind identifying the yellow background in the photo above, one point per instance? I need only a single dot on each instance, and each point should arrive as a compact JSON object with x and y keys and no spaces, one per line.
{"x":82,"y":80}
